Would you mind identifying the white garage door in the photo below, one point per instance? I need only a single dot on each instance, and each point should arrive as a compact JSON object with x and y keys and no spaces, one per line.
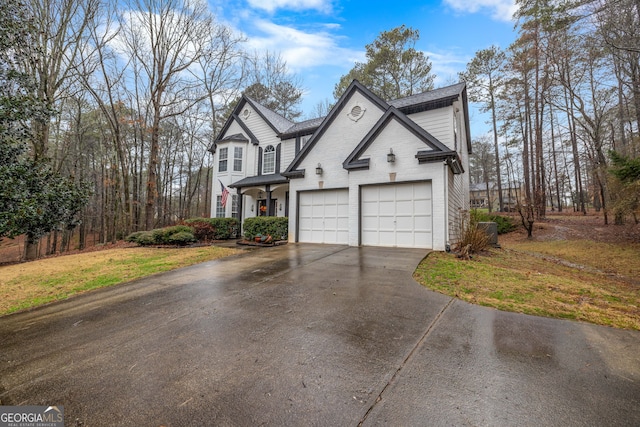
{"x":324,"y":216}
{"x":397,"y":215}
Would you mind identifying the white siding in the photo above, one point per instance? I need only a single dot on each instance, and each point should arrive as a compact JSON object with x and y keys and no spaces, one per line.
{"x":456,"y":211}
{"x":288,"y":152}
{"x":438,"y":123}
{"x":330,"y":151}
{"x":405,"y":169}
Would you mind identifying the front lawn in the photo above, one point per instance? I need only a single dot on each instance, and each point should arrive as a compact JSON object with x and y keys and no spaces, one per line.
{"x":581,"y":280}
{"x":35,"y":283}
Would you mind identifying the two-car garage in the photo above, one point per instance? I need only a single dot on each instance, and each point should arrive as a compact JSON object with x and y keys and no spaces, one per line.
{"x":396,"y":215}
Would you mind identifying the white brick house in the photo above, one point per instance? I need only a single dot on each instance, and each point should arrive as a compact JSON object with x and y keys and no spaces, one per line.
{"x":369,"y":173}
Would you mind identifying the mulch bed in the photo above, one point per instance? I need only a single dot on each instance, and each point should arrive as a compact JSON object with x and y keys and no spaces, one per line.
{"x":260,"y":244}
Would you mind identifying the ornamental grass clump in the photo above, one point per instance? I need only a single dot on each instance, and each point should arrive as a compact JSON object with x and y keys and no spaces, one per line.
{"x":472,"y":238}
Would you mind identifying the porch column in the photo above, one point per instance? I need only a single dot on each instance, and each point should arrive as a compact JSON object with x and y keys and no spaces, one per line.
{"x":268,"y":191}
{"x":239,"y":214}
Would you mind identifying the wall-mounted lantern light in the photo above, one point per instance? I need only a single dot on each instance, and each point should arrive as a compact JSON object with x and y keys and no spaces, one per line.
{"x":391,"y":158}
{"x":252,"y":208}
{"x":319,"y":169}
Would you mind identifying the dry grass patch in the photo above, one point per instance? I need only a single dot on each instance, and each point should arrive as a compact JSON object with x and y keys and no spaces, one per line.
{"x":35,"y":283}
{"x":607,"y":257}
{"x":527,"y":283}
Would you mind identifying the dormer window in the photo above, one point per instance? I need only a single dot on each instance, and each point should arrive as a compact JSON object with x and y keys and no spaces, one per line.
{"x":269,"y":160}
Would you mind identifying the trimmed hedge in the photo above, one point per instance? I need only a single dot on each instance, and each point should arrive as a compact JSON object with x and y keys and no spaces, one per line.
{"x":206,"y":229}
{"x":175,"y":235}
{"x":181,"y":238}
{"x":275,"y":226}
{"x":163,"y":236}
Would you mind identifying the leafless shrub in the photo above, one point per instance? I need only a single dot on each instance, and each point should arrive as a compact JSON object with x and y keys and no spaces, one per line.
{"x":473,"y":239}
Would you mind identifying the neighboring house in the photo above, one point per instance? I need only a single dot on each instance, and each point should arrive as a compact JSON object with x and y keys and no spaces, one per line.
{"x":369,"y":173}
{"x":482,"y":195}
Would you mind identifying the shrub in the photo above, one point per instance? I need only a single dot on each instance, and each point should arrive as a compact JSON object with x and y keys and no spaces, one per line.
{"x":276,"y":227}
{"x":146,"y":238}
{"x":505,"y":223}
{"x":181,"y":238}
{"x":133,"y":237}
{"x":162,"y":236}
{"x":205,"y":229}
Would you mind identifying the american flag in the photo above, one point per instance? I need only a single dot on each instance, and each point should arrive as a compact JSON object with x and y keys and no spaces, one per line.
{"x":225,"y":195}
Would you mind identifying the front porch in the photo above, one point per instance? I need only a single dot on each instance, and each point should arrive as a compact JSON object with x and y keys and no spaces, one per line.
{"x":262,"y":195}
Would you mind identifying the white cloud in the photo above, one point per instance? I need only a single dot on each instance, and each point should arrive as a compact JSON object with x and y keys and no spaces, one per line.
{"x":271,"y":5}
{"x":446,"y":65}
{"x":502,"y":10}
{"x":302,"y":50}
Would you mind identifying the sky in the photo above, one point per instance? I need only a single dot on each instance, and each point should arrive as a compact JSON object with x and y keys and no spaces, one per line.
{"x":320,"y":40}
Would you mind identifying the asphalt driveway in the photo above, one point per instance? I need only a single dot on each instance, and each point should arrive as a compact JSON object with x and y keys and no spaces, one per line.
{"x":311,"y":335}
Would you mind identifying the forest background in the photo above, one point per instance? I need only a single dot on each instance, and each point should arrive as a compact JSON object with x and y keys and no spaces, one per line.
{"x":108,"y":108}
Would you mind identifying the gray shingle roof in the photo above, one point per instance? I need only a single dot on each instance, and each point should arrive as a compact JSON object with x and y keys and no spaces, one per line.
{"x":279,"y":123}
{"x":257,"y":180}
{"x":235,"y":137}
{"x":433,"y":95}
{"x":307,"y":125}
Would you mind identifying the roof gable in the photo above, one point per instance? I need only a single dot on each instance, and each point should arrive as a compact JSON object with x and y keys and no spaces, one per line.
{"x":274,"y":120}
{"x":354,"y":160}
{"x":354,"y":87}
{"x":235,"y":137}
{"x":278,"y":123}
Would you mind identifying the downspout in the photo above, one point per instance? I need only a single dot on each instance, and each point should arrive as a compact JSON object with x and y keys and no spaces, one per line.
{"x":446,"y":206}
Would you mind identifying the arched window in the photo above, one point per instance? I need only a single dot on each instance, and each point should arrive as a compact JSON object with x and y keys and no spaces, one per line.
{"x":269,"y":160}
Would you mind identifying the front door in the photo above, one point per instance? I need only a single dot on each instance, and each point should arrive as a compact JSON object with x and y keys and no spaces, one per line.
{"x":262,"y":207}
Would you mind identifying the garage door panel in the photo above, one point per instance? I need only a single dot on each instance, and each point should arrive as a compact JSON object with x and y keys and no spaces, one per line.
{"x":387,"y":207}
{"x":406,"y":226}
{"x":421,"y":206}
{"x":405,"y":238}
{"x":397,"y":215}
{"x":387,"y":223}
{"x":405,"y":207}
{"x":323,"y":216}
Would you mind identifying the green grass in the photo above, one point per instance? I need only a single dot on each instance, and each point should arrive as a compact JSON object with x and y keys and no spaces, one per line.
{"x":527,"y":283}
{"x":28,"y":285}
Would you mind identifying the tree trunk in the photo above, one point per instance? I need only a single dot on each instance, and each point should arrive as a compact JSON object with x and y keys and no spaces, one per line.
{"x":497,"y":152}
{"x":152,"y":173}
{"x":555,"y":160}
{"x":31,"y":247}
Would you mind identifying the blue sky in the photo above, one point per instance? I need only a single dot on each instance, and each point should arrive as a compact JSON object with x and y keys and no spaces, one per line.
{"x":321,"y":39}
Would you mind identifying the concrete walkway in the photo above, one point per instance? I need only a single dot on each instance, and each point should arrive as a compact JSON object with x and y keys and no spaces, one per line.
{"x":311,"y":335}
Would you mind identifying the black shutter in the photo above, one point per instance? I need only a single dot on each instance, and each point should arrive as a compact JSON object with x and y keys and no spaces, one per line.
{"x":259,"y":160}
{"x":278,"y":158}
